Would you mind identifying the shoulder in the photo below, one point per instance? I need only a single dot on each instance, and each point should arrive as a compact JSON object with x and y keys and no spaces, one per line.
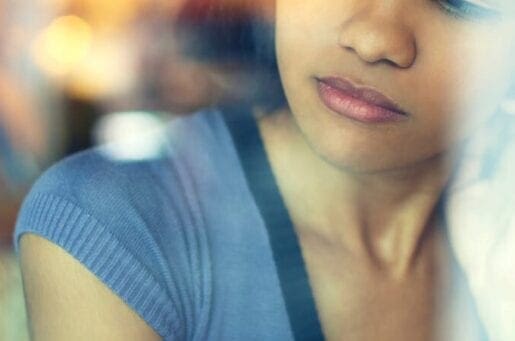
{"x":122,"y":218}
{"x":103,"y":188}
{"x":91,"y":182}
{"x":104,"y":181}
{"x":85,"y":205}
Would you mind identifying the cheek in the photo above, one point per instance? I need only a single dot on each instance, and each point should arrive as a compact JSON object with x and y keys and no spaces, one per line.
{"x":454,"y":86}
{"x":308,"y":28}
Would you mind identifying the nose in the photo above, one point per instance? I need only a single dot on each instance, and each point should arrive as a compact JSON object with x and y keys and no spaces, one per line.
{"x":379,"y":35}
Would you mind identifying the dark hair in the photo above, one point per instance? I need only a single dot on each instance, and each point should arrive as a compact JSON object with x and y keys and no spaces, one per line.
{"x":213,"y":31}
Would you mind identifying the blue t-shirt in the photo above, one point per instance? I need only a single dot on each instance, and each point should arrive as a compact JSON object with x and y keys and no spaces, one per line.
{"x":188,"y":239}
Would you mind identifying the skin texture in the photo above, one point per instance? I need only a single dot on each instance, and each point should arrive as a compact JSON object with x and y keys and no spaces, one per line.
{"x":439,"y":69}
{"x":363,"y":196}
{"x":380,"y":177}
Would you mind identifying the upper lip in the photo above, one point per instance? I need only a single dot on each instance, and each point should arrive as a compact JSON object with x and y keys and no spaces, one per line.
{"x":361,"y":92}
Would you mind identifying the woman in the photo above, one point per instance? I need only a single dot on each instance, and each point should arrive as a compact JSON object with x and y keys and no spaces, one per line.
{"x":321,"y":218}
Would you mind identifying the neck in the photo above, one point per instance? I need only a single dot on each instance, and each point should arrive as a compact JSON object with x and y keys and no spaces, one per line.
{"x":384,"y":216}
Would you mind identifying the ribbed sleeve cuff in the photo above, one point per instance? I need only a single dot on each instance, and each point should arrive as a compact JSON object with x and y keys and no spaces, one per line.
{"x":87,"y":240}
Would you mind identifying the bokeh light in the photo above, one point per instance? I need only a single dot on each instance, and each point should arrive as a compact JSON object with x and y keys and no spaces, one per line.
{"x":63,"y":45}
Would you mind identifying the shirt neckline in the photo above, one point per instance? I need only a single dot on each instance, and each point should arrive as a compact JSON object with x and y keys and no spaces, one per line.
{"x":289,"y":262}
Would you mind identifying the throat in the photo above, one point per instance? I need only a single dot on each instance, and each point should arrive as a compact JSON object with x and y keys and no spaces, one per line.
{"x":395,"y":252}
{"x":382,"y":216}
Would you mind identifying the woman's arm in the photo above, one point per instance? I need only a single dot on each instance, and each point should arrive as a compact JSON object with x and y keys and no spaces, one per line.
{"x":67,"y":302}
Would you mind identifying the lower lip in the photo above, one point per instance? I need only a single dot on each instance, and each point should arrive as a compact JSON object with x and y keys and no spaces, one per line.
{"x":342,"y":103}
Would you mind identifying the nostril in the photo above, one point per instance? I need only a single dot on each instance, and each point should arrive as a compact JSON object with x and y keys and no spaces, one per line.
{"x":390,"y":63}
{"x":348,"y":47}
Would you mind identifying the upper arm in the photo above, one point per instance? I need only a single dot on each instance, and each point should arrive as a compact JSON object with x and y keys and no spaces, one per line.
{"x":65,"y":301}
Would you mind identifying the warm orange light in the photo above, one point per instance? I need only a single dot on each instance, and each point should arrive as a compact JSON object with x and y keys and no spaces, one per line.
{"x":109,"y":70}
{"x":108,"y":15}
{"x":63,"y":45}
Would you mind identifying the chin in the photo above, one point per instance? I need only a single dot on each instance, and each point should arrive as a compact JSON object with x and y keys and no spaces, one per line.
{"x":366,"y":148}
{"x":358,"y":157}
{"x":364,"y":163}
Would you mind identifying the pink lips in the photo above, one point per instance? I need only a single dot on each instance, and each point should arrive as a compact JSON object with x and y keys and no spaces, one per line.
{"x":358,"y":103}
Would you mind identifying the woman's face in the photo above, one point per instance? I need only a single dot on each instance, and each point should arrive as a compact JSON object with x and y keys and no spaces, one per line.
{"x":445,"y":65}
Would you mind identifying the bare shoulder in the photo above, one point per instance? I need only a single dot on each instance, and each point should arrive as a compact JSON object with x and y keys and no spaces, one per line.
{"x":65,"y":301}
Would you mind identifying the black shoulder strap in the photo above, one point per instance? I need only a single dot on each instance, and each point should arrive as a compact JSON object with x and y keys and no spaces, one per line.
{"x":288,"y":258}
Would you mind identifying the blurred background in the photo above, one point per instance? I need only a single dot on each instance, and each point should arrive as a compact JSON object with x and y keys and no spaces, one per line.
{"x":76,"y":73}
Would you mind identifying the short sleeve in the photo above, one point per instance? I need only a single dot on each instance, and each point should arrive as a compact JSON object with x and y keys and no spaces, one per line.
{"x":84,"y":204}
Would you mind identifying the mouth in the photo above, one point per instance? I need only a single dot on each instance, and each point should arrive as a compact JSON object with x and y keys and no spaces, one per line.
{"x":359,"y":103}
